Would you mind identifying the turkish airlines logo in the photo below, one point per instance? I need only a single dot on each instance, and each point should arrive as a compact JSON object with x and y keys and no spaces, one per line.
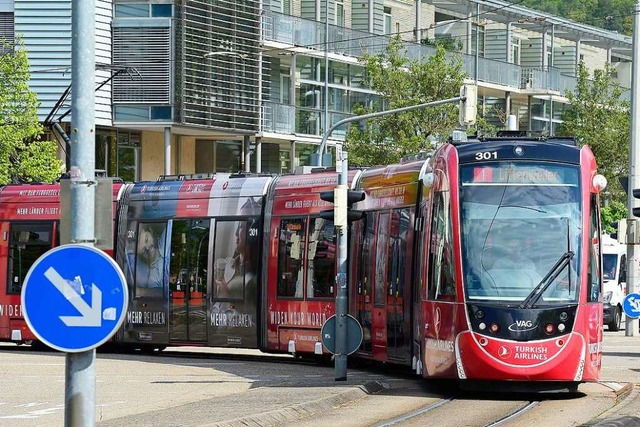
{"x":437,"y":321}
{"x":522,"y":326}
{"x":504,"y":352}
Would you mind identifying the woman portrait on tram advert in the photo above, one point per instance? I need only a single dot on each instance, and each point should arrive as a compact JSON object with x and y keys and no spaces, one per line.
{"x":151,"y":262}
{"x":235,"y":271}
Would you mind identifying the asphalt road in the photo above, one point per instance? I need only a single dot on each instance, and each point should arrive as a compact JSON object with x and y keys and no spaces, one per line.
{"x":246,"y":388}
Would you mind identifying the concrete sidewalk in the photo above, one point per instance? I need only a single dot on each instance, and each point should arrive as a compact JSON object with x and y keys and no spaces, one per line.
{"x":621,"y":371}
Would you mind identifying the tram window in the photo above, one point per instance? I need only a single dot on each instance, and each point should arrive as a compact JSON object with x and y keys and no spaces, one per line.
{"x":151,"y":264}
{"x":321,"y":257}
{"x":397,"y":254}
{"x":442,"y":284}
{"x":189,"y":257}
{"x":27,"y":242}
{"x":235,"y":259}
{"x":291,"y":249}
{"x":381,"y":259}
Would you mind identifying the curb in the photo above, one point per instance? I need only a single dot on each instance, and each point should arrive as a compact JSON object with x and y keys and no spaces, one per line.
{"x":627,"y":395}
{"x":295,"y":412}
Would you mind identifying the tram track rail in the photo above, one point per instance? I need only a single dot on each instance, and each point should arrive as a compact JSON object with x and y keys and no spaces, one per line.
{"x":411,"y":418}
{"x":515,"y":414}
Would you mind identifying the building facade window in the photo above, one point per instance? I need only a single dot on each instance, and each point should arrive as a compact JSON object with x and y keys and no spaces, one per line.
{"x":477,"y":39}
{"x":386,"y":26}
{"x":118,"y":153}
{"x":515,"y":50}
{"x":143,"y":10}
{"x":339,"y":13}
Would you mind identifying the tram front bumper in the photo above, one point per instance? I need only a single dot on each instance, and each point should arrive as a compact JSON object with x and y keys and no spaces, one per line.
{"x":557,"y":359}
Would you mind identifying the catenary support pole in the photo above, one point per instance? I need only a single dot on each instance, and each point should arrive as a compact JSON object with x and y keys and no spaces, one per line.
{"x":80,"y":373}
{"x":633,"y":240}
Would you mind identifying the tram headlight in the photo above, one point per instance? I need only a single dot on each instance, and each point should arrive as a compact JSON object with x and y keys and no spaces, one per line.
{"x":563,"y":316}
{"x":561,"y":327}
{"x":599,"y":182}
{"x":494,"y":328}
{"x":606,"y":297}
{"x":549,"y":328}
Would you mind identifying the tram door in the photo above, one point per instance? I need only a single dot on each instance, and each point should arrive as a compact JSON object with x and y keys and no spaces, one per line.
{"x":398,"y":270}
{"x":188,"y":274}
{"x":364,"y":269}
{"x":380,"y":287}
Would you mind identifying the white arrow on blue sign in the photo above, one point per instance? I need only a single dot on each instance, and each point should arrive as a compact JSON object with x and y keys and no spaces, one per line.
{"x":631,"y":305}
{"x":74,"y":298}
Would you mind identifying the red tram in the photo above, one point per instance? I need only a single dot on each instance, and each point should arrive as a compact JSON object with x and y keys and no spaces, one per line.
{"x":480,"y":262}
{"x":506,"y":263}
{"x":30,"y":226}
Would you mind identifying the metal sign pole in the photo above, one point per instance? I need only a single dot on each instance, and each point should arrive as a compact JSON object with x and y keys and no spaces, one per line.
{"x":80,"y":373}
{"x":633,"y":239}
{"x":340,"y":365}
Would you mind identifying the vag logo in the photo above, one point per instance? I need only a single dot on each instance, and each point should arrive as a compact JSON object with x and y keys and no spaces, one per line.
{"x":522,"y":326}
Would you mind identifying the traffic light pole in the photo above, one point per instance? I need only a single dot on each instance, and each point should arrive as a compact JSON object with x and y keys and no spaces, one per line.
{"x":342,"y":165}
{"x":633,"y":237}
{"x":342,"y":168}
{"x":325,"y":136}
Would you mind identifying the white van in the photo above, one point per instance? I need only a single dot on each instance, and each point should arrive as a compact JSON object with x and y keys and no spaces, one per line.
{"x":614,"y":271}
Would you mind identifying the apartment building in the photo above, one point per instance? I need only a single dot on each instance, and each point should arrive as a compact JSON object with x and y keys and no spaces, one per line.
{"x":201,"y":86}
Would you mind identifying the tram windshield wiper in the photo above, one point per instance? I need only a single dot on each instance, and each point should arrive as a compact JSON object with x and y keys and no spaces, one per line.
{"x":524,"y":207}
{"x":547,"y":280}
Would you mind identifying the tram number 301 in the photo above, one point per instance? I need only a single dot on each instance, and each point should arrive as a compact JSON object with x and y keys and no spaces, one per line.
{"x":486,"y":155}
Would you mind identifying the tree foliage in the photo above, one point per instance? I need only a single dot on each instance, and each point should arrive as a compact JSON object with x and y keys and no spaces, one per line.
{"x":402,"y":82}
{"x":612,"y":213}
{"x":612,"y":15}
{"x":23,"y":156}
{"x":599,"y":118}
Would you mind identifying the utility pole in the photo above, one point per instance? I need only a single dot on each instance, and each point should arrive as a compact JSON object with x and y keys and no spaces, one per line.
{"x":80,"y":371}
{"x":633,"y":239}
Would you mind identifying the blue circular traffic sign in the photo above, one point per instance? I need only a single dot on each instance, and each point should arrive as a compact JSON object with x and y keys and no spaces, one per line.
{"x":353,"y":332}
{"x":631,"y":305}
{"x":74,"y":298}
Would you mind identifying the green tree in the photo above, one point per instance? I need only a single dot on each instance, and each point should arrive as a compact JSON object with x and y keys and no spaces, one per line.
{"x":614,"y":211}
{"x":23,"y":156}
{"x":599,"y":118}
{"x":401,"y":82}
{"x":613,"y":15}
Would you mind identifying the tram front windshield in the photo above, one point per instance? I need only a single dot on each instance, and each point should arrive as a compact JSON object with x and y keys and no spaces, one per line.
{"x":520,"y":220}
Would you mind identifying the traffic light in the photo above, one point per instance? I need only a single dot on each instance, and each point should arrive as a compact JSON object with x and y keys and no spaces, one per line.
{"x":636,"y":194}
{"x":468,"y":105}
{"x":343,"y":200}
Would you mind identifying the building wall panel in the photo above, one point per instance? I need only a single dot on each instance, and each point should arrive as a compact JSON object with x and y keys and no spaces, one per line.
{"x":45,"y":27}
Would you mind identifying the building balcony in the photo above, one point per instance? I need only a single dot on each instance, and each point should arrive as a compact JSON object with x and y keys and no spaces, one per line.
{"x":289,"y":119}
{"x":298,"y":32}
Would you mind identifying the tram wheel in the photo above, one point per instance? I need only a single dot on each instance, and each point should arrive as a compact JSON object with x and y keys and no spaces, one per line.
{"x":614,"y":326}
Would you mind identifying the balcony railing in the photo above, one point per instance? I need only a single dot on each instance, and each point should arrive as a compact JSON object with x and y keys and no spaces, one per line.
{"x":297,"y":31}
{"x":289,"y":119}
